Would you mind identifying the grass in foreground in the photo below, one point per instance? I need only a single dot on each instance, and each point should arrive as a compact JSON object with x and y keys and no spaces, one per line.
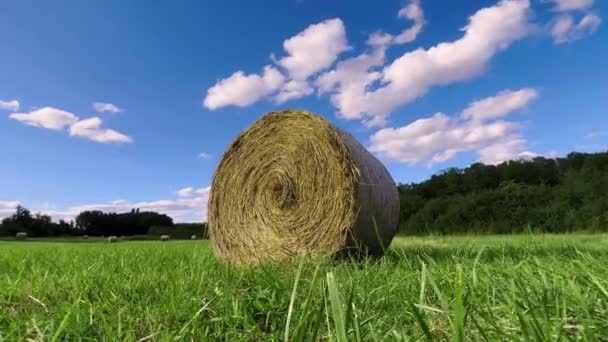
{"x":464,"y":288}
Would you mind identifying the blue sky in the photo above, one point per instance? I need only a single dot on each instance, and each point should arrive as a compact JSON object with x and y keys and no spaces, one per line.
{"x":114,"y":104}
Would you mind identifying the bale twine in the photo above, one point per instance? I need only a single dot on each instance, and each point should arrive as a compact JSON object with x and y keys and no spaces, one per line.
{"x":292,"y":184}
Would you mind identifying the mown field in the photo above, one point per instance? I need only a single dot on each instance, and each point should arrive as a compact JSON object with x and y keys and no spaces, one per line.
{"x":525,"y":287}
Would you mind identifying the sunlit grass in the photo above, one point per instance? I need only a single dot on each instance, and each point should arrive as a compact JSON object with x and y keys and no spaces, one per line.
{"x":547,"y":287}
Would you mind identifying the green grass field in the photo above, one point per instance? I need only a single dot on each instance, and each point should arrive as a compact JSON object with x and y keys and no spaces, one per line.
{"x":461,"y":288}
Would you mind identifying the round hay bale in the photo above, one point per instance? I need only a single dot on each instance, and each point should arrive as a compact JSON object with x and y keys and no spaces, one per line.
{"x":21,"y":236}
{"x":194,"y":237}
{"x":85,"y":237}
{"x":112,"y":239}
{"x":292,"y":184}
{"x":165,"y":238}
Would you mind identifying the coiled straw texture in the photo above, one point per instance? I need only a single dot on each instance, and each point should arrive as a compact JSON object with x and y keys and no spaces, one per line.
{"x":292,"y":184}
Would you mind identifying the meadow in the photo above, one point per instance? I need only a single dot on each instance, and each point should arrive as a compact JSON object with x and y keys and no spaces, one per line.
{"x":519,"y":287}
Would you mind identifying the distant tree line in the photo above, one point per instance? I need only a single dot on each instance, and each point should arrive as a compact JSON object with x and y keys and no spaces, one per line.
{"x":181,"y":230}
{"x":97,"y":223}
{"x":540,"y":195}
{"x":34,"y":224}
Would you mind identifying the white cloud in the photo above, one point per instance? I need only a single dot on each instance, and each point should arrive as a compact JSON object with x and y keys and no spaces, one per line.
{"x":12,"y":105}
{"x":489,"y":31}
{"x":243,"y":90}
{"x":413,"y":12}
{"x":186,"y":192}
{"x":362,"y":87}
{"x":294,"y":89}
{"x":500,"y":105}
{"x":60,"y":120}
{"x":509,"y":149}
{"x":596,"y":134}
{"x":191,"y":208}
{"x":91,"y":129}
{"x":205,"y":155}
{"x":571,"y":5}
{"x":7,"y":208}
{"x":101,"y":107}
{"x":441,"y":137}
{"x":351,"y":78}
{"x":309,"y":52}
{"x":314,"y":49}
{"x":565,"y":30}
{"x":47,"y":117}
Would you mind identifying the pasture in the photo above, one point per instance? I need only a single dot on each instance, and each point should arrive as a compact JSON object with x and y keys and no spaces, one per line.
{"x":522,"y":287}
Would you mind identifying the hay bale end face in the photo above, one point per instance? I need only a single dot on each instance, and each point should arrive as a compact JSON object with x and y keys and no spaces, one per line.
{"x":21,"y":236}
{"x":292,"y":184}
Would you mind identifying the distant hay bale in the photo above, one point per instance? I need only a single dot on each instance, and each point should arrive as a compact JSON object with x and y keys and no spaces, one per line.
{"x":165,"y":238}
{"x":292,"y":184}
{"x":86,"y":237}
{"x":194,"y":237}
{"x":21,"y":236}
{"x":112,"y":238}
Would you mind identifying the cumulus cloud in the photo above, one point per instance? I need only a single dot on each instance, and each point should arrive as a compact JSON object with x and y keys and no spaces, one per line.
{"x":12,"y":105}
{"x":596,"y":134}
{"x":564,"y":29}
{"x":101,"y":107}
{"x":7,"y":208}
{"x":571,"y":5}
{"x":363,"y":87}
{"x":190,"y":208}
{"x":309,"y":52}
{"x":478,"y":128}
{"x":508,"y":149}
{"x":205,"y":155}
{"x":60,"y":120}
{"x":351,"y":78}
{"x":413,"y":12}
{"x":243,"y":90}
{"x":47,"y":117}
{"x":192,"y":192}
{"x":293,"y":89}
{"x":489,"y":31}
{"x":314,"y":49}
{"x":500,"y":105}
{"x":91,"y":129}
{"x":185,"y":192}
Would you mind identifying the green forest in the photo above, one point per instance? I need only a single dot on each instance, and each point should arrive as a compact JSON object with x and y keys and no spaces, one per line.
{"x":541,"y":195}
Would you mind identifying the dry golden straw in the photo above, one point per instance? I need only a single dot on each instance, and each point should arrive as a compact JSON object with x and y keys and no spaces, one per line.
{"x":292,"y":184}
